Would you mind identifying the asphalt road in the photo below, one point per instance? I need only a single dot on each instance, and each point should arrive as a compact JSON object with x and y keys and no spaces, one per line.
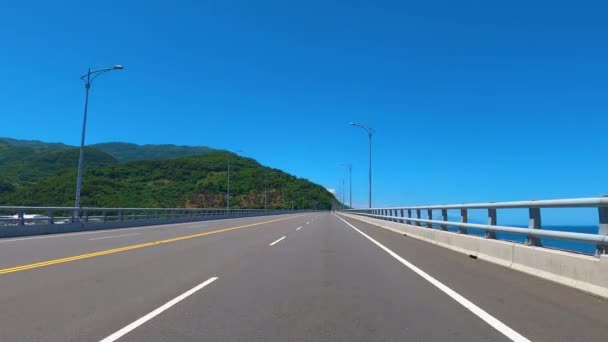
{"x":267,"y":279}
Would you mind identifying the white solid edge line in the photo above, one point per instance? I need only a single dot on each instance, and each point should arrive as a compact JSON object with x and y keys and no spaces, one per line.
{"x":122,"y":332}
{"x":479,"y":312}
{"x":279,"y":240}
{"x":113,"y":236}
{"x":298,"y":228}
{"x":307,"y":222}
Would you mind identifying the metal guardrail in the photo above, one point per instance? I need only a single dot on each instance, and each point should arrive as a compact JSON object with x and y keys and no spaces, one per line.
{"x":533,"y":233}
{"x":19,"y":215}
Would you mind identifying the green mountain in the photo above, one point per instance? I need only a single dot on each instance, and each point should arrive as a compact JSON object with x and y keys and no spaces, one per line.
{"x":121,"y":151}
{"x":194,"y":181}
{"x":30,"y":162}
{"x":34,"y":144}
{"x":125,"y":152}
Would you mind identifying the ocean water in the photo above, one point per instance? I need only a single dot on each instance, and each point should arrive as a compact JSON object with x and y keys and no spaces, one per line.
{"x":572,"y":246}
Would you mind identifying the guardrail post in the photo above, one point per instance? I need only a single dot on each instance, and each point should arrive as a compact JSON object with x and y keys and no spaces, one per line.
{"x":21,"y":220}
{"x":105,"y":216}
{"x":492,"y":222}
{"x":86,"y":216}
{"x":121,"y":216}
{"x":429,"y":213}
{"x":409,"y":215}
{"x":444,"y":217}
{"x":51,"y":216}
{"x":418,"y":217}
{"x":464,"y":218}
{"x":603,"y":229}
{"x":402,"y":215}
{"x":534,"y":223}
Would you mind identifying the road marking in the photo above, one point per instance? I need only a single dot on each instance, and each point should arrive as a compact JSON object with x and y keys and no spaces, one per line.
{"x":159,"y":226}
{"x":307,"y":222}
{"x":122,"y":332}
{"x":131,"y":247}
{"x":113,"y":236}
{"x":299,"y":228}
{"x":279,"y":240}
{"x":479,"y":312}
{"x":102,"y":231}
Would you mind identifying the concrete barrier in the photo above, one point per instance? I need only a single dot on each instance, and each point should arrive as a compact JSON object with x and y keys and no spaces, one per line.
{"x":583,"y":272}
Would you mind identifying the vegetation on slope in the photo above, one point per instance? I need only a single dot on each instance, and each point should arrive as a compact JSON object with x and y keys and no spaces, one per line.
{"x":125,"y":152}
{"x":194,"y":181}
{"x":23,"y":165}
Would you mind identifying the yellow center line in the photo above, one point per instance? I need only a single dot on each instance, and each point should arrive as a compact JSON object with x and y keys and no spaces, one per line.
{"x":129,"y":248}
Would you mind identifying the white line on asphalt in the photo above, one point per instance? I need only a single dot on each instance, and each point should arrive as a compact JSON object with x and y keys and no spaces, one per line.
{"x":101,"y":231}
{"x":113,"y":236}
{"x":122,"y":332}
{"x":479,"y":312}
{"x":159,"y":226}
{"x":298,"y":228}
{"x":279,"y":240}
{"x":307,"y":222}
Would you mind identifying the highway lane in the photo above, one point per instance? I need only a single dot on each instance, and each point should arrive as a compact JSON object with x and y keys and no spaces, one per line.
{"x":19,"y":251}
{"x":84,"y":300}
{"x":278,"y":281}
{"x":322,"y":283}
{"x":537,"y":308}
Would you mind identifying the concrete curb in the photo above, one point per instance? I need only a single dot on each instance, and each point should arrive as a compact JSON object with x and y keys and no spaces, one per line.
{"x":583,"y":272}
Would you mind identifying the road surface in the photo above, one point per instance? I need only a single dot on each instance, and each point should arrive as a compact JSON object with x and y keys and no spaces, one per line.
{"x":300,"y":277}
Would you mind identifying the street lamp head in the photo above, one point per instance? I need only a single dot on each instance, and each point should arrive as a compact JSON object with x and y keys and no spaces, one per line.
{"x":118,"y":67}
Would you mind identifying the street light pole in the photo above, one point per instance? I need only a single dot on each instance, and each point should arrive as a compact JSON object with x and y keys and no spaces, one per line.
{"x":228,"y":187}
{"x":370,"y":133}
{"x":343,"y":192}
{"x":350,"y":180}
{"x":88,"y":81}
{"x":265,"y":191}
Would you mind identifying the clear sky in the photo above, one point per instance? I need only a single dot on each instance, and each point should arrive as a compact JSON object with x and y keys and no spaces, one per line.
{"x":471,"y":100}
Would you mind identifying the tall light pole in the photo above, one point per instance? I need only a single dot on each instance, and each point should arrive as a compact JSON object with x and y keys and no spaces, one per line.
{"x":343,"y":193}
{"x":370,"y":133}
{"x":228,"y":189}
{"x":350,"y":176}
{"x":265,"y":191}
{"x":88,"y":78}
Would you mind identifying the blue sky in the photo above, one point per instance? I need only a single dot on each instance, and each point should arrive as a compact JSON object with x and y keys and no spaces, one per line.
{"x":471,"y":100}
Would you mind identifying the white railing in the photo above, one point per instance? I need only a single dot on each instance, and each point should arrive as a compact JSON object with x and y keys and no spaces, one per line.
{"x":19,"y":215}
{"x":533,"y":233}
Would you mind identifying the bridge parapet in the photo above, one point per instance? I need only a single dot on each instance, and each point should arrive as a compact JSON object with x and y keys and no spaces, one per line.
{"x":533,"y":233}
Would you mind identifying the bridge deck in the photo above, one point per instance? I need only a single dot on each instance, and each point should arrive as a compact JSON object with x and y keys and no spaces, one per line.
{"x":323,"y":282}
